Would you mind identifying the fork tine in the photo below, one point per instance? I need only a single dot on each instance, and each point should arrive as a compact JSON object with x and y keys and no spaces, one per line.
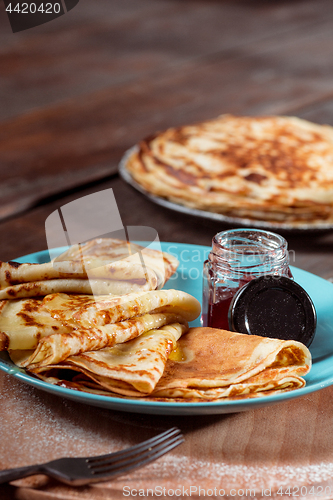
{"x":137,"y":457}
{"x":118,"y":469}
{"x":124,"y":468}
{"x":80,"y":471}
{"x":133,"y":450}
{"x":121,"y":470}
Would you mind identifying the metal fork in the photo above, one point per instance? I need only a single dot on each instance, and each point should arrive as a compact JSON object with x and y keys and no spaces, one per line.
{"x":79,"y":471}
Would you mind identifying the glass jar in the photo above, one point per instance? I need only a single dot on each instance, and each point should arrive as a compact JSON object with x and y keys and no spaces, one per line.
{"x":238,"y":256}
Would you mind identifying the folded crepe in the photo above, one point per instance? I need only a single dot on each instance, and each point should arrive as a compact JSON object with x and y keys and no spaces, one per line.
{"x":24,"y":322}
{"x":95,"y":253}
{"x":130,"y":369}
{"x":99,"y":267}
{"x":207,"y":364}
{"x":89,"y":312}
{"x":47,"y":331}
{"x":216,"y":364}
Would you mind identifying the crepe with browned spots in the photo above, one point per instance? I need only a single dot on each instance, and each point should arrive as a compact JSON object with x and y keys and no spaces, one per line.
{"x":270,"y":168}
{"x":98,"y":267}
{"x":49,"y":330}
{"x":205,"y":364}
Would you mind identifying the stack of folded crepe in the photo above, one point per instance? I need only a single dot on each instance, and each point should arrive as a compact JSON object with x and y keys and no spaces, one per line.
{"x":54,"y":326}
{"x":172,"y":363}
{"x":44,"y":332}
{"x":136,"y":343}
{"x":101,"y":266}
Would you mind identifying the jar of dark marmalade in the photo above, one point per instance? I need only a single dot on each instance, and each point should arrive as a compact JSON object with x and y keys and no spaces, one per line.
{"x":238,"y":256}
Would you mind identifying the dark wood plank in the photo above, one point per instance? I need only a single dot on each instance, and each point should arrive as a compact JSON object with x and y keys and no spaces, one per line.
{"x":55,"y":149}
{"x":107,"y":43}
{"x":80,"y":140}
{"x":75,"y":94}
{"x":26,"y":233}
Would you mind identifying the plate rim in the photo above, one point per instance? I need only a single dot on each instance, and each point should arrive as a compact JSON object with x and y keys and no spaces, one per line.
{"x":161,"y":407}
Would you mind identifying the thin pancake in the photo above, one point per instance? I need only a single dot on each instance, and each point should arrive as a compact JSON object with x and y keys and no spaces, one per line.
{"x":96,"y":253}
{"x":105,"y":310}
{"x":132,"y":368}
{"x":206,"y":365}
{"x":23,"y":323}
{"x":60,"y":346}
{"x":110,"y":322}
{"x":217,"y":364}
{"x":272,"y":168}
{"x":99,"y":267}
{"x":69,"y":285}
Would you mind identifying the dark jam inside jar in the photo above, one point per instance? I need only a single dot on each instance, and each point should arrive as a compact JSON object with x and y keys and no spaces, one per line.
{"x":236,"y":258}
{"x":218,"y":308}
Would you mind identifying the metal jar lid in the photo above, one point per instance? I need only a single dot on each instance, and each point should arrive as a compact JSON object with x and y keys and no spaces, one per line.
{"x":276,"y":307}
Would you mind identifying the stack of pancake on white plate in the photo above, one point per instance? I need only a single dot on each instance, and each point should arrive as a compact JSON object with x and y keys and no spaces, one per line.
{"x":275,"y":169}
{"x":133,"y":343}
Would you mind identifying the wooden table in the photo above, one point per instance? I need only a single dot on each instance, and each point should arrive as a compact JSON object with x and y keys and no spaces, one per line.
{"x":76,"y":94}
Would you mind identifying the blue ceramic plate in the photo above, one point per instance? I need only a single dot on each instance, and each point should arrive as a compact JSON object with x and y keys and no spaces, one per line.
{"x":189,"y":279}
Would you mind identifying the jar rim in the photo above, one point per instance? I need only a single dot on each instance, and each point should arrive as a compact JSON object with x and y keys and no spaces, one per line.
{"x":261,"y":241}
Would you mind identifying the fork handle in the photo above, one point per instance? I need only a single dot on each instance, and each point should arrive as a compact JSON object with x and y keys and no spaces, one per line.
{"x":19,"y":472}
